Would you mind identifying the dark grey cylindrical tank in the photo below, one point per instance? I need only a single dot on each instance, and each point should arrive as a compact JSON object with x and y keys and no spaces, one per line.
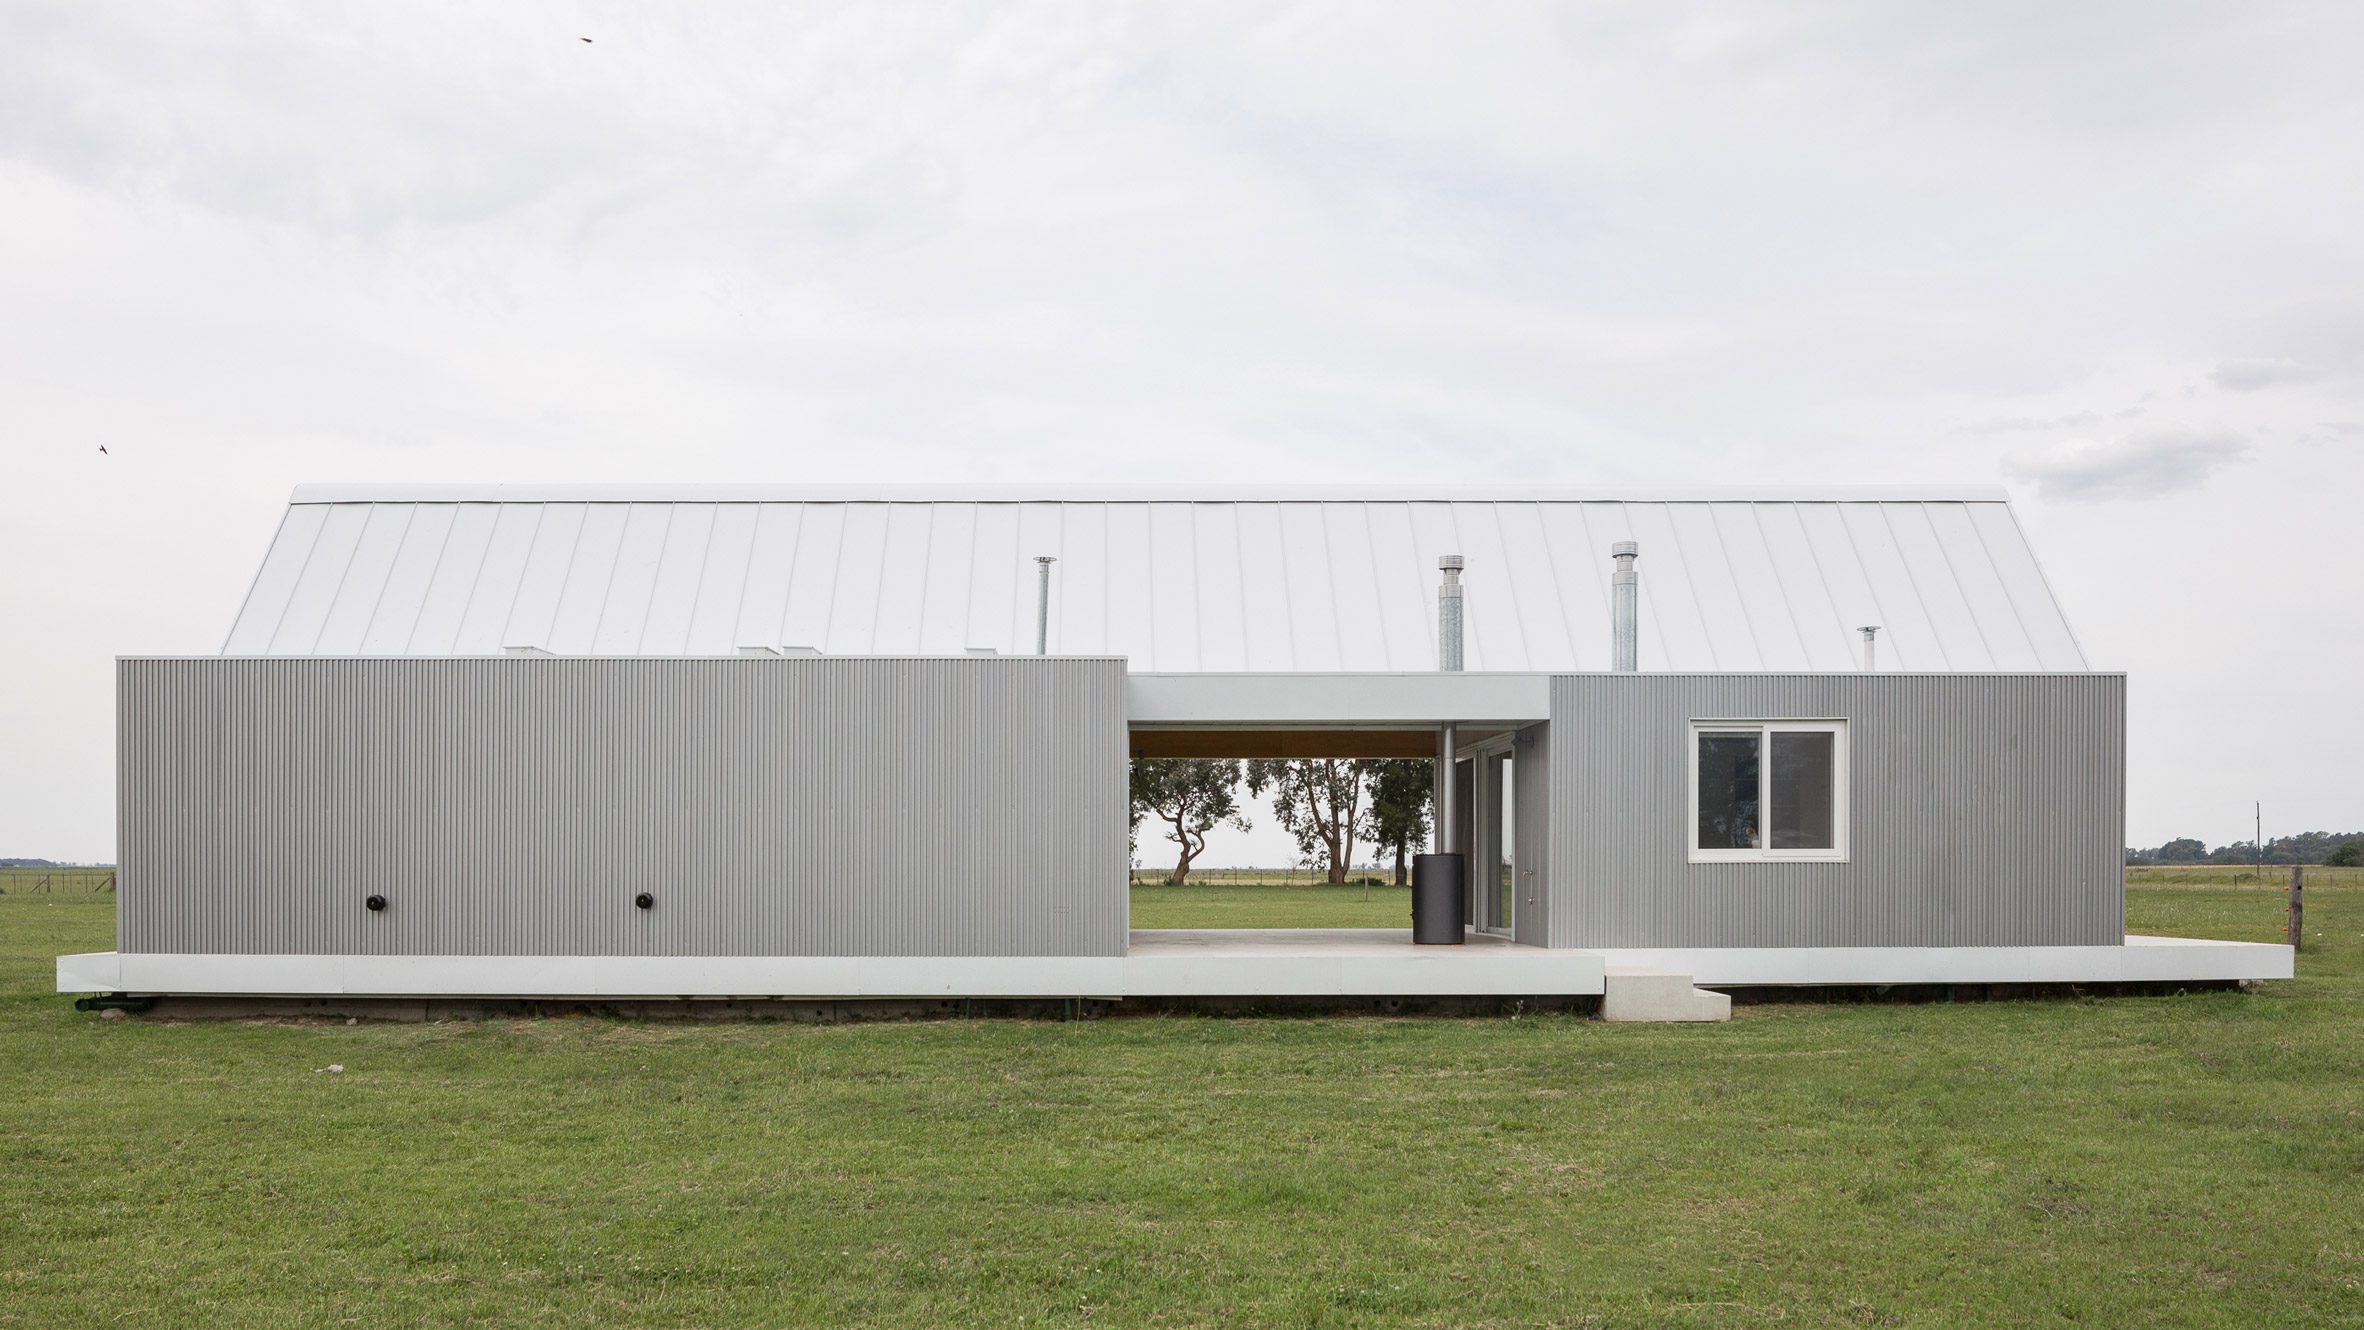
{"x":1436,"y":899}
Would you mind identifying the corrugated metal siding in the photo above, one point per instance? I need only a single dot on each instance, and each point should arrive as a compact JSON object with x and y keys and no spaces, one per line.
{"x":514,"y":806}
{"x":1180,"y":585}
{"x":1986,"y":810}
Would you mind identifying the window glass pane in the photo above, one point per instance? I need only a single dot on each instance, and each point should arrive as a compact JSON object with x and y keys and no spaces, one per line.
{"x":1728,"y":792}
{"x":1804,"y":768}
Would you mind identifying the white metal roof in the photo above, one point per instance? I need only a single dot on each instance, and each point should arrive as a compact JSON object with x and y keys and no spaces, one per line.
{"x":1237,"y":580}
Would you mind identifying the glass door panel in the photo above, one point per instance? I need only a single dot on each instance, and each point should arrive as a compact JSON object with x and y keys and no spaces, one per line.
{"x":1505,"y":843}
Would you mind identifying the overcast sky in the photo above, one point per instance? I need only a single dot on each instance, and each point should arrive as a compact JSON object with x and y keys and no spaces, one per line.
{"x":2107,"y":255}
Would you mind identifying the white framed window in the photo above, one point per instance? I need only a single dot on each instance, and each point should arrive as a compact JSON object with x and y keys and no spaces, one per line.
{"x":1768,"y":791}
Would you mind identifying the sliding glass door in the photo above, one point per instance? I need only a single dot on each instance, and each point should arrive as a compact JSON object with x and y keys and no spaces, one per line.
{"x":1506,"y":839}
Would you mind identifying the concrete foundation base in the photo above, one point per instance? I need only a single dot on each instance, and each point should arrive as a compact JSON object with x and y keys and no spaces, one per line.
{"x":1632,"y":994}
{"x":1248,"y":963}
{"x":809,"y":1012}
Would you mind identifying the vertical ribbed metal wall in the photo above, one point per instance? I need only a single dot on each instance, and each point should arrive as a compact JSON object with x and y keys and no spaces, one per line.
{"x":1985,"y":810}
{"x":773,"y":806}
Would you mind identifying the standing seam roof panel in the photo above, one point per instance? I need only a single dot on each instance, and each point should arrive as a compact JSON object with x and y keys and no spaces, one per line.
{"x":403,"y":592}
{"x":436,"y":623}
{"x":673,"y":587}
{"x":318,"y":582}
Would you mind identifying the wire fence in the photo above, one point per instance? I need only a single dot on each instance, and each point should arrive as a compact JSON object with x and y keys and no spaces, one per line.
{"x":57,"y":881}
{"x":2276,"y":877}
{"x":1262,"y":877}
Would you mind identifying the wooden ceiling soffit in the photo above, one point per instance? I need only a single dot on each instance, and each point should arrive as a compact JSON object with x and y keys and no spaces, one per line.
{"x":1284,"y":743}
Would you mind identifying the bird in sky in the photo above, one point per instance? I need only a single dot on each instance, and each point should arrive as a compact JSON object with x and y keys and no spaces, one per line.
{"x":103,"y":449}
{"x":586,"y":41}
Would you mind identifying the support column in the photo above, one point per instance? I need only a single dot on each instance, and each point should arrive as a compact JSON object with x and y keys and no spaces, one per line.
{"x":1438,"y":907}
{"x":1447,"y":815}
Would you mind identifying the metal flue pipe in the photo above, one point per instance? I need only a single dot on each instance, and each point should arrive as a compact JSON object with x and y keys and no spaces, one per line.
{"x":1448,"y":614}
{"x":1042,"y":604}
{"x":1625,"y":609}
{"x":1871,"y":647}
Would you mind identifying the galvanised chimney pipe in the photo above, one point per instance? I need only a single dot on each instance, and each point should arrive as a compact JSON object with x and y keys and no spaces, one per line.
{"x":1448,"y":614}
{"x":1625,"y":608}
{"x":1042,"y":605}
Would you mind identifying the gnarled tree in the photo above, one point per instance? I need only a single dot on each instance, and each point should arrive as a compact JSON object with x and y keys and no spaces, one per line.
{"x":1319,"y":801}
{"x":1191,"y":796}
{"x":1401,"y":788}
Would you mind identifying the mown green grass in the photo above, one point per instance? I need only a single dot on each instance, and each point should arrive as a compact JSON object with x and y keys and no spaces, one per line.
{"x":1256,"y":905}
{"x":2160,"y":1161}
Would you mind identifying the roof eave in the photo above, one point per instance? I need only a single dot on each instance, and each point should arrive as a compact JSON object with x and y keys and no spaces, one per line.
{"x":1007,"y":493}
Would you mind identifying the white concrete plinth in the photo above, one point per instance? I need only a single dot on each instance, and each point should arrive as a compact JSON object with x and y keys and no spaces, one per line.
{"x":1632,"y":994}
{"x":1214,"y":962}
{"x":1260,"y":962}
{"x":2140,"y":960}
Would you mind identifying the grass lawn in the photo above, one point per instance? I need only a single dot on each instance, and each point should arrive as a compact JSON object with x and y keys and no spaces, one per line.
{"x":1256,"y":905}
{"x":2125,"y":1162}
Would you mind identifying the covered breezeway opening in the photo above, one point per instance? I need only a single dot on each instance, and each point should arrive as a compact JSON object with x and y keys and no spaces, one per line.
{"x":1370,"y":898}
{"x":1405,"y":718}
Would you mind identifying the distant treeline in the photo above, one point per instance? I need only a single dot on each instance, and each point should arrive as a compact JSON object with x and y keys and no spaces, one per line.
{"x":2307,"y":847}
{"x":30,"y":863}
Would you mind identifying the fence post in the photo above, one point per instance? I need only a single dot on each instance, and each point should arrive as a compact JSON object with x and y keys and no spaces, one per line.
{"x":2298,"y":904}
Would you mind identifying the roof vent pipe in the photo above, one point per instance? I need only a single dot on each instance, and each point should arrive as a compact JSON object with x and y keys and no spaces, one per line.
{"x":1871,"y":654}
{"x":1448,"y":614}
{"x":1042,"y":605}
{"x":1625,"y":609}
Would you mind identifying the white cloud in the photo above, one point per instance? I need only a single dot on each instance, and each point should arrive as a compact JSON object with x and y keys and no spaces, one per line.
{"x":2247,"y":376}
{"x":2025,"y":424}
{"x":2143,"y":466}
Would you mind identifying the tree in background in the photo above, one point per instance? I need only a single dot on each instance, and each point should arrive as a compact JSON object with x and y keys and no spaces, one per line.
{"x":1192,"y":796}
{"x":2350,"y":854}
{"x":1319,"y":801}
{"x":2305,"y":847}
{"x":2184,"y":850}
{"x":1401,"y":788}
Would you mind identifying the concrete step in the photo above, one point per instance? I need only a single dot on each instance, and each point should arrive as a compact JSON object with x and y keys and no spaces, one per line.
{"x":1631,"y":993}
